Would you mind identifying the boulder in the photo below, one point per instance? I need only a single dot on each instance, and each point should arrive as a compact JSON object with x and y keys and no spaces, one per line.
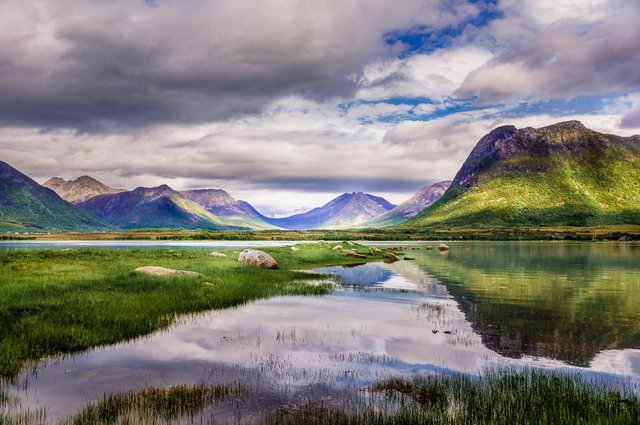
{"x":374,"y":249}
{"x":390,"y":257}
{"x":338,"y":247}
{"x":443,"y":247}
{"x":257,"y":258}
{"x":624,"y":239}
{"x":161,"y":271}
{"x":429,"y":248}
{"x":351,"y":253}
{"x":218,"y":254}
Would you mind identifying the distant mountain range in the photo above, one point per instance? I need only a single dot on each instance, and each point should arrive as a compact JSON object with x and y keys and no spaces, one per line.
{"x":411,"y":207}
{"x":563,"y":174}
{"x":25,"y":206}
{"x":80,"y":189}
{"x":159,"y":207}
{"x":347,"y":210}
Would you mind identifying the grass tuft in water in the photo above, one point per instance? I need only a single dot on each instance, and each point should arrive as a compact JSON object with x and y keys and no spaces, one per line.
{"x":497,"y":397}
{"x":156,"y":405}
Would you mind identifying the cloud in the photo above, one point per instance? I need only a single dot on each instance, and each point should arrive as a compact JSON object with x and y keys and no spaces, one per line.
{"x":556,"y":56}
{"x":107,"y":65}
{"x":435,"y":75}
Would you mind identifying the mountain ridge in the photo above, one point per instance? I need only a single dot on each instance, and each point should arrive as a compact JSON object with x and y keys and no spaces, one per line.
{"x":412,"y":206}
{"x":154,"y":207}
{"x":562,"y":174}
{"x":28,"y":206}
{"x":79,"y":189}
{"x":344,"y":211}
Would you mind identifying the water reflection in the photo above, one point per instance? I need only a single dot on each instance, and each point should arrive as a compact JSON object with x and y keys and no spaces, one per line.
{"x":562,"y":301}
{"x":479,"y":306}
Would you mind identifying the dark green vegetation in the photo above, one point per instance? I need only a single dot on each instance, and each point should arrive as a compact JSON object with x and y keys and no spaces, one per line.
{"x":65,"y":301}
{"x":595,"y":233}
{"x":154,"y":405}
{"x":561,"y":175}
{"x":507,"y":398}
{"x":27,"y":206}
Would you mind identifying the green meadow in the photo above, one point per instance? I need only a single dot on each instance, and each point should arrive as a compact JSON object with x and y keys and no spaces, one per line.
{"x":65,"y":301}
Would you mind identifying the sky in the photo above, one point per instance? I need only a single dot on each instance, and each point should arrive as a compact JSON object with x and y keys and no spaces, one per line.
{"x":287,"y":103}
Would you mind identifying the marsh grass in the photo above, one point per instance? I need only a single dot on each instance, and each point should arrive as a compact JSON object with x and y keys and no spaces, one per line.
{"x":497,"y":397}
{"x":65,"y":301}
{"x":156,"y":405}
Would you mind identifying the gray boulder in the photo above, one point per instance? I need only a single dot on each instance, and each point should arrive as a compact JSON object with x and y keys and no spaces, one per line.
{"x":257,"y":258}
{"x":390,"y":257}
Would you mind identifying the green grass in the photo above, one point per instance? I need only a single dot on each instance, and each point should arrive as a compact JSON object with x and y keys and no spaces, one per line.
{"x":66,"y":301}
{"x":499,"y":397}
{"x":155,"y":405}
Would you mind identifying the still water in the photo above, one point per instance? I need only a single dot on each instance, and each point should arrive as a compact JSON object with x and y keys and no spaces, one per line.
{"x":570,"y":306}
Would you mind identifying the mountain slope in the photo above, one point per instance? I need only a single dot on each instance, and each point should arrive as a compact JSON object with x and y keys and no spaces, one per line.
{"x":80,"y":189}
{"x":155,"y":207}
{"x":411,"y":207}
{"x":27,"y":206}
{"x":220,"y":203}
{"x":563,"y":174}
{"x":347,"y":210}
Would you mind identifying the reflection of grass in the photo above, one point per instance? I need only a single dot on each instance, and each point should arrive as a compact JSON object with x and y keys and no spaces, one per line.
{"x":507,"y":397}
{"x":60,"y":301}
{"x":155,"y":405}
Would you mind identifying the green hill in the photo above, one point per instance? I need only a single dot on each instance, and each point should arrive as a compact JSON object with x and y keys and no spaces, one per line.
{"x":564,"y":174}
{"x":27,"y":206}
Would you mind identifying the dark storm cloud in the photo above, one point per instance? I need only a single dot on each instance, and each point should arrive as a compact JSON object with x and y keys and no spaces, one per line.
{"x":104,"y":65}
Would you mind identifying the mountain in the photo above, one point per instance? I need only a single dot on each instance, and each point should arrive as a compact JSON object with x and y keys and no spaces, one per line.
{"x":27,"y":206}
{"x":563,"y":174}
{"x":155,"y":207}
{"x":347,"y":210}
{"x":220,"y":203}
{"x":411,"y":207}
{"x":80,"y":189}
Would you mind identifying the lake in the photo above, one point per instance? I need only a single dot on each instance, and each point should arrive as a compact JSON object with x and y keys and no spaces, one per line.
{"x":569,"y":306}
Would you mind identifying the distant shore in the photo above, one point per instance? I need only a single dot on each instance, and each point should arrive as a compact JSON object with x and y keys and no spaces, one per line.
{"x":597,"y":233}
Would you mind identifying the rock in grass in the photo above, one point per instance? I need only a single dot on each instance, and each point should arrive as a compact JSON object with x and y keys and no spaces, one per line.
{"x":390,"y":257}
{"x":374,"y":249}
{"x":443,"y":247}
{"x":162,"y":271}
{"x":218,"y":254}
{"x":257,"y":258}
{"x":337,"y":247}
{"x":351,"y":253}
{"x":295,"y":248}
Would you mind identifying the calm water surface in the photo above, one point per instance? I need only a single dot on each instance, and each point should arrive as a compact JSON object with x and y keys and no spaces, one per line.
{"x":481,"y":305}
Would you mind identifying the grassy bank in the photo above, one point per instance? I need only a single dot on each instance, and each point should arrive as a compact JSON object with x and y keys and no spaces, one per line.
{"x":605,"y":232}
{"x":531,"y":397}
{"x":498,"y":397}
{"x":65,"y":301}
